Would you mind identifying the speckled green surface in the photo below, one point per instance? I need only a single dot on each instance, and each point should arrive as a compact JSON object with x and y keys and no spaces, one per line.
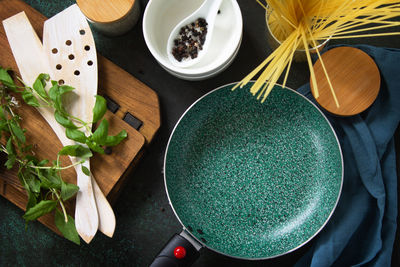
{"x":253,"y":180}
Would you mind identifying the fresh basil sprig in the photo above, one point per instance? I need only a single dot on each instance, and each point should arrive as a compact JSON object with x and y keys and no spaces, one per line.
{"x":41,"y":179}
{"x":96,"y":140}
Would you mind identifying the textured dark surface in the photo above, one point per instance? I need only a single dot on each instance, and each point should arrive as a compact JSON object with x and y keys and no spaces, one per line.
{"x":144,"y":219}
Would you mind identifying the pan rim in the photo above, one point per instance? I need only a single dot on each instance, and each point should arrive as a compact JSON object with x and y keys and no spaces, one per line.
{"x":256,"y":258}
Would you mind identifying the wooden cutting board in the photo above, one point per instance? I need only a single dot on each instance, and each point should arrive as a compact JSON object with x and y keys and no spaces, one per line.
{"x":132,"y":106}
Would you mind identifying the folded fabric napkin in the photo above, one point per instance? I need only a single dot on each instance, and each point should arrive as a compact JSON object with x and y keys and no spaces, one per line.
{"x":363,"y":227}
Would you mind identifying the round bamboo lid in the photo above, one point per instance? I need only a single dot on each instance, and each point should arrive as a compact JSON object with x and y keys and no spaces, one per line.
{"x":105,"y":11}
{"x":355,"y":79}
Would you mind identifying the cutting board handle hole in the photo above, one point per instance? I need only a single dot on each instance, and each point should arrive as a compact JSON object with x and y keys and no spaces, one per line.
{"x":71,"y":57}
{"x":54,"y":50}
{"x":77,"y":72}
{"x":82,"y":32}
{"x":68,"y":42}
{"x":90,"y":63}
{"x":132,"y":121}
{"x":58,"y":66}
{"x":87,"y":48}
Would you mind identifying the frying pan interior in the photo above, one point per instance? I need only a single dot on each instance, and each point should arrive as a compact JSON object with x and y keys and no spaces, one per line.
{"x":253,"y":180}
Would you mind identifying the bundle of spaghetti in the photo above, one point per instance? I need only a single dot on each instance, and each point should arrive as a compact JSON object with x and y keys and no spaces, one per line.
{"x":305,"y":24}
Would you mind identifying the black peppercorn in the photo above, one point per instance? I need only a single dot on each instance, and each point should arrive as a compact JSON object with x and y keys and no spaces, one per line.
{"x":190,"y":40}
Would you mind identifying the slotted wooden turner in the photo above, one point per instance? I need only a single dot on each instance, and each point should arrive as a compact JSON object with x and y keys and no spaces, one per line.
{"x":70,"y":48}
{"x":31,"y":60}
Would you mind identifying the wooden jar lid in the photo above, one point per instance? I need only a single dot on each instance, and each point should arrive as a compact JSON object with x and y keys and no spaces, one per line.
{"x":355,"y":79}
{"x":105,"y":11}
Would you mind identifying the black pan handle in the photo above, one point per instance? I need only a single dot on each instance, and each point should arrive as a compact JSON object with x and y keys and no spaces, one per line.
{"x":177,"y":252}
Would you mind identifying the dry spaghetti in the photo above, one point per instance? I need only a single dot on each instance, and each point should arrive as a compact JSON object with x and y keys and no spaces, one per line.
{"x":305,"y":24}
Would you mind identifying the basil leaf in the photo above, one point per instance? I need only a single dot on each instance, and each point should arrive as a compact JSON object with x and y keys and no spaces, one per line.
{"x":85,"y":170}
{"x":10,"y":147}
{"x":11,"y":154}
{"x":65,"y":89}
{"x":76,"y":135}
{"x":32,"y":201}
{"x":6,"y":79}
{"x":10,"y":161}
{"x":32,"y":182}
{"x":40,"y":84}
{"x":55,"y":96}
{"x":18,"y":132}
{"x":45,"y":183}
{"x":49,"y":179}
{"x":99,"y":109}
{"x":116,"y":139}
{"x":95,"y":147}
{"x":54,"y":91}
{"x":2,"y":115}
{"x":3,"y":125}
{"x":68,"y":190}
{"x":30,"y":99}
{"x":32,"y":159}
{"x":100,"y":135}
{"x":84,"y":152}
{"x":69,"y":150}
{"x":76,"y":151}
{"x":40,"y":209}
{"x":64,"y":121}
{"x":68,"y":229}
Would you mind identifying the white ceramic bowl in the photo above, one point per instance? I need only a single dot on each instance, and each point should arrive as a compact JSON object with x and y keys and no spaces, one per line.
{"x":161,"y":16}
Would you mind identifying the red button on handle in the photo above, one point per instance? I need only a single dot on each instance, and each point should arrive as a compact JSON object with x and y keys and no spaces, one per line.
{"x":180,"y":252}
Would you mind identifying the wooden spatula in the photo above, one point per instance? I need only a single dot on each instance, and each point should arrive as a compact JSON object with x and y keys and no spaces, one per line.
{"x":71,"y":52}
{"x":31,"y":60}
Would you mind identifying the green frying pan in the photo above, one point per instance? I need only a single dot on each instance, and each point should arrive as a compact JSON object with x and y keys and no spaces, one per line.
{"x":252,"y":180}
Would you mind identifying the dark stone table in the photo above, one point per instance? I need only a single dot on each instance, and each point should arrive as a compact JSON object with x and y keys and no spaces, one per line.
{"x":145,"y":220}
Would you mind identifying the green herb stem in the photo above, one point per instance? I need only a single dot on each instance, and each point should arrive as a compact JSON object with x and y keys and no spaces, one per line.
{"x":57,"y":168}
{"x":61,"y":204}
{"x":84,"y":124}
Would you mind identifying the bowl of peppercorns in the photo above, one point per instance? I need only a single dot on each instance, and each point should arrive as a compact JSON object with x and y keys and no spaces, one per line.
{"x":160,"y":18}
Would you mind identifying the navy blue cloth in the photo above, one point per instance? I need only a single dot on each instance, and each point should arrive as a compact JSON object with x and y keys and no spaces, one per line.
{"x":362,"y":229}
